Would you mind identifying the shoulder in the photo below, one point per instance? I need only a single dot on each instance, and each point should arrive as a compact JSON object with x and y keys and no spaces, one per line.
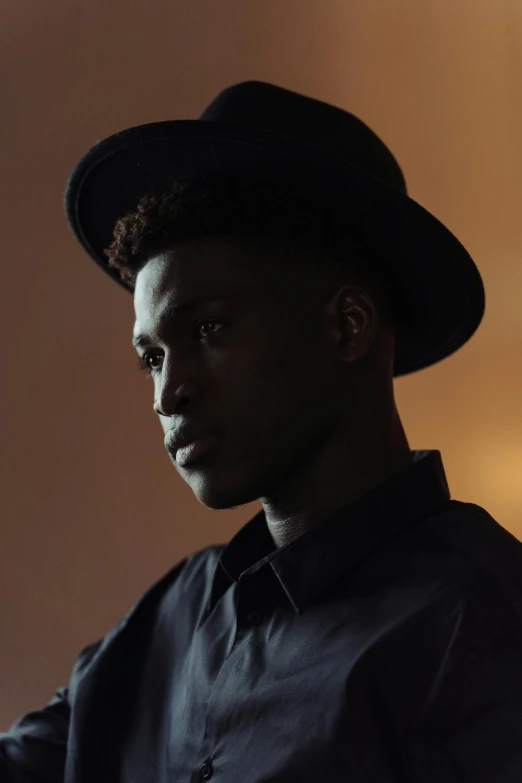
{"x":456,"y":560}
{"x":188,"y":581}
{"x":478,"y":553}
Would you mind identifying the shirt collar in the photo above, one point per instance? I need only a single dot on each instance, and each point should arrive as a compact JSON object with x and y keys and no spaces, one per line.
{"x":309,"y":564}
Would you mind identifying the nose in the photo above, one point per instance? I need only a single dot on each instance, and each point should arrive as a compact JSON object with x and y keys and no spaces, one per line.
{"x":157,"y":408}
{"x":168,"y":401}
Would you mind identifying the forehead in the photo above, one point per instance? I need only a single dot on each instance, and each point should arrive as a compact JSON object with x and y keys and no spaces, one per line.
{"x":206,"y":263}
{"x":196,"y":269}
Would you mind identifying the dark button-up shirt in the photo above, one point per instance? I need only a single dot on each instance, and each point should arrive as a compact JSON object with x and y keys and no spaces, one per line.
{"x":383,"y":645}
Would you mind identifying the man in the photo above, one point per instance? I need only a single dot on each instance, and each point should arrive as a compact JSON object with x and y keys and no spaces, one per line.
{"x":363,"y":626}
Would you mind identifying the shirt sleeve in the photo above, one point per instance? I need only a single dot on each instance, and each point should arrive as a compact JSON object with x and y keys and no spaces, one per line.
{"x":34,"y":750}
{"x":470,"y":726}
{"x":35,"y":747}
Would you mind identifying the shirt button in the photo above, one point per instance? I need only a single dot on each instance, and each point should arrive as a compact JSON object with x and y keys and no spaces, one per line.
{"x":254,"y":618}
{"x":206,"y":771}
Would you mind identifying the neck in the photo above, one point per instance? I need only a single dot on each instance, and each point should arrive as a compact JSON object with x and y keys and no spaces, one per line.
{"x":345,"y":468}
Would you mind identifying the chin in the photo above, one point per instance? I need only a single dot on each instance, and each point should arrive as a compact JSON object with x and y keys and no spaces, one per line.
{"x":216,"y":495}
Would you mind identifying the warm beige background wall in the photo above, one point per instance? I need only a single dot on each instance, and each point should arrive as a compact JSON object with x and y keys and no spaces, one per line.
{"x":93,"y":512}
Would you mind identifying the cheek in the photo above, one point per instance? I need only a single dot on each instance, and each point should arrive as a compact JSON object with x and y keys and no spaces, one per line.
{"x":275,"y":394}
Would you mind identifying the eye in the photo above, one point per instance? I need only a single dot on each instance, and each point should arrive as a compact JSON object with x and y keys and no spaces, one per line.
{"x":143,"y":361}
{"x":207,"y":322}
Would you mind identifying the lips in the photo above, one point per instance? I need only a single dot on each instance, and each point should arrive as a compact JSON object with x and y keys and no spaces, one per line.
{"x":185,"y":435}
{"x":195,"y":451}
{"x":176,"y":439}
{"x":187,"y":445}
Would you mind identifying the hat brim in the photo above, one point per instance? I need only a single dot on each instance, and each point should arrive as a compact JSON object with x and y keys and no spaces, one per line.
{"x":441,"y":290}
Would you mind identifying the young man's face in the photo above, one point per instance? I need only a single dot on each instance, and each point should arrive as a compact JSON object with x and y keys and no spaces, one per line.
{"x":255,"y":366}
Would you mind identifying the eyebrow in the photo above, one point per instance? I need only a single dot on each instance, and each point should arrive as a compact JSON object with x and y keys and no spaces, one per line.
{"x":172,"y":311}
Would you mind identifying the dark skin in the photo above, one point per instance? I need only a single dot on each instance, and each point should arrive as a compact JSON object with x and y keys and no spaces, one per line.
{"x":295,"y":375}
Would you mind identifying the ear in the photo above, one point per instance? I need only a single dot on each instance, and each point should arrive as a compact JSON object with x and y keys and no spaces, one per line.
{"x":355,"y":322}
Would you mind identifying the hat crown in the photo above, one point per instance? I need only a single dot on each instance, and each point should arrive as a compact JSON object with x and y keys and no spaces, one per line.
{"x":271,"y":108}
{"x":437,"y":288}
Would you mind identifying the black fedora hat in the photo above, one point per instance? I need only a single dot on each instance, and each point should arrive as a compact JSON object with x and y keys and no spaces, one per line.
{"x":255,"y":124}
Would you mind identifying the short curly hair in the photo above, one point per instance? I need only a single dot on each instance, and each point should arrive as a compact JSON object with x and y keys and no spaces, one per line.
{"x":292,"y":216}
